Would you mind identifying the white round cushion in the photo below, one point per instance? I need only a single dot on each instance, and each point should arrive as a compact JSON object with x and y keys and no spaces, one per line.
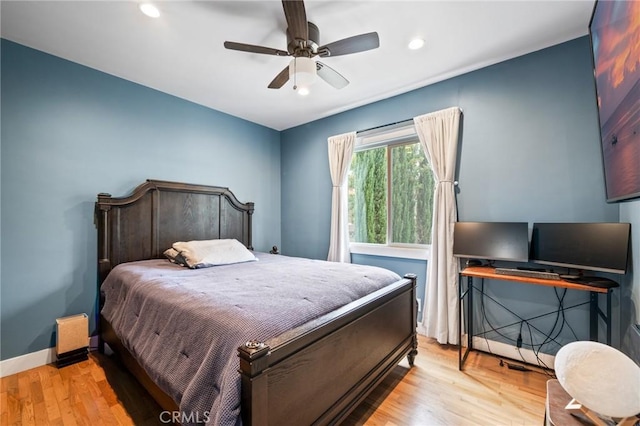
{"x":599,"y":377}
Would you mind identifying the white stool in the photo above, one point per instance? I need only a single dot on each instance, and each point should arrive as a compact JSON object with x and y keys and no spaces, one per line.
{"x":601,"y":380}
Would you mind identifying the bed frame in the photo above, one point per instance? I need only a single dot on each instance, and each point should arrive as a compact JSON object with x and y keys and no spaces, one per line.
{"x":294,"y":378}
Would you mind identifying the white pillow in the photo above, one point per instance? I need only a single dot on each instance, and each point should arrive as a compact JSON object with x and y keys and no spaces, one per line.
{"x":205,"y":253}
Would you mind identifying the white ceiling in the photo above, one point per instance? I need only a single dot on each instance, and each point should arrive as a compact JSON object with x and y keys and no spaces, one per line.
{"x":182,"y":53}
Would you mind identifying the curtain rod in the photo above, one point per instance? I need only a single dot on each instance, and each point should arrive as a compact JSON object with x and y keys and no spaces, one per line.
{"x":390,"y":124}
{"x":385,"y":125}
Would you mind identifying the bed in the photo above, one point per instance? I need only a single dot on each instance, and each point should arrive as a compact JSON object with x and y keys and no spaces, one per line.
{"x":293,"y":377}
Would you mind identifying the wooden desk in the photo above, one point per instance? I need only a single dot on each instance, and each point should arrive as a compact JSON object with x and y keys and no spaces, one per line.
{"x":488,"y":272}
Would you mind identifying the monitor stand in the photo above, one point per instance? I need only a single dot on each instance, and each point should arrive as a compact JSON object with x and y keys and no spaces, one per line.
{"x":593,"y":281}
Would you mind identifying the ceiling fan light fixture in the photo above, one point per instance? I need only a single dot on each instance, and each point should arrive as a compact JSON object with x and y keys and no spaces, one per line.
{"x":416,"y":43}
{"x":302,"y":71}
{"x":303,"y":91}
{"x":149,"y":10}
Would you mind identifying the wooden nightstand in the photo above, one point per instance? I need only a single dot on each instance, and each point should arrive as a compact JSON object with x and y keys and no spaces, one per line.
{"x":555,"y":413}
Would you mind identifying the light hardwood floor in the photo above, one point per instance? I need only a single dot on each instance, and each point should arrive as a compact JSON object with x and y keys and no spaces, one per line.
{"x":433,"y":392}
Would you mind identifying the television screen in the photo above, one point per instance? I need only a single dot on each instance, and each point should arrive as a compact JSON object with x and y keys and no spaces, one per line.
{"x":491,"y":240}
{"x":614,"y":31}
{"x":584,"y":246}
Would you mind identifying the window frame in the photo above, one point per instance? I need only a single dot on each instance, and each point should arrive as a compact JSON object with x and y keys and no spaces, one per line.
{"x":389,"y":137}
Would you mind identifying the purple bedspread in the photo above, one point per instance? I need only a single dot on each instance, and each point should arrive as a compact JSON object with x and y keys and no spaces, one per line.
{"x":184,"y":325}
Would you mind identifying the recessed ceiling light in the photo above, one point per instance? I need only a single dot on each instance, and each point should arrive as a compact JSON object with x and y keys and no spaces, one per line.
{"x":416,"y":43}
{"x":149,"y":10}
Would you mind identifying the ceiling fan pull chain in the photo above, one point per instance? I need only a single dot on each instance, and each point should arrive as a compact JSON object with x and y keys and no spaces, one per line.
{"x":295,"y":73}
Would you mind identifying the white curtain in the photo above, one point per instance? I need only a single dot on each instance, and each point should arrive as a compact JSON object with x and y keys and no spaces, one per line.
{"x":438,"y":133}
{"x":340,"y":153}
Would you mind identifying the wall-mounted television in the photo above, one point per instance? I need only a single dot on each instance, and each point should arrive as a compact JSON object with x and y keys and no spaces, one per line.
{"x":614,"y":31}
{"x":492,"y":240}
{"x":600,"y":247}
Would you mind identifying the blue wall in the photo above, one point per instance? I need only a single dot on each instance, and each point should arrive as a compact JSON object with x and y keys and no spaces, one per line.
{"x":530,"y":152}
{"x":70,"y":132}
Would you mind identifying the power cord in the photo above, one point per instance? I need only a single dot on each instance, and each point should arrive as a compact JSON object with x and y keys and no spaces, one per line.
{"x":535,"y":347}
{"x":496,"y":329}
{"x":512,"y":366}
{"x":519,"y":340}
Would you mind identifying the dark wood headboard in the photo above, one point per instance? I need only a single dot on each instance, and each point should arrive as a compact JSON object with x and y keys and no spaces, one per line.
{"x":158,"y":213}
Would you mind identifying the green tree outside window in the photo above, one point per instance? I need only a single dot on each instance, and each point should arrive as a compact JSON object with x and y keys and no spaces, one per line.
{"x":410,"y":189}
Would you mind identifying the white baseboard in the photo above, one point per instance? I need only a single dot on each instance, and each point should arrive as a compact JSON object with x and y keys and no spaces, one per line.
{"x":34,"y":359}
{"x":512,"y":352}
{"x":26,"y":362}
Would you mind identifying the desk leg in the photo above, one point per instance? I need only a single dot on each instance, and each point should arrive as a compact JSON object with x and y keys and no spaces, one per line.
{"x":463,"y":357}
{"x":460,"y":298}
{"x":608,"y":317}
{"x":470,"y":314}
{"x":593,"y":316}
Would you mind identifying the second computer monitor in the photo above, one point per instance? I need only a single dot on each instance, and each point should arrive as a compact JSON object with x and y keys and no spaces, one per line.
{"x":582,"y":246}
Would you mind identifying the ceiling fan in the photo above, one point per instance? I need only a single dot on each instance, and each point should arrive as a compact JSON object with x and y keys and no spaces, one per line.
{"x":303,"y":46}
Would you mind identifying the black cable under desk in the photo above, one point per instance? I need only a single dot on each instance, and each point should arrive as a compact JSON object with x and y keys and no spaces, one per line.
{"x":488,"y":272}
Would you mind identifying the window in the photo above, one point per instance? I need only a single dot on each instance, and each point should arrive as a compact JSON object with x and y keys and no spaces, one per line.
{"x":390,"y":191}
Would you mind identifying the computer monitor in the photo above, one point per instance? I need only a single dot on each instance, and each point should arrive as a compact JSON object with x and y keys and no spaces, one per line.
{"x":492,"y":240}
{"x":584,"y":246}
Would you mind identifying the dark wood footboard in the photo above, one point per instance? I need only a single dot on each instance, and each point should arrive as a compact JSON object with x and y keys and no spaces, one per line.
{"x":319,"y":372}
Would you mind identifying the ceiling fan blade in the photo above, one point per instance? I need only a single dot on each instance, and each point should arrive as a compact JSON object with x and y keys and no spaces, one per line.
{"x":331,"y":76}
{"x":348,"y":45}
{"x":296,"y":19}
{"x":280,"y":79}
{"x":254,"y":49}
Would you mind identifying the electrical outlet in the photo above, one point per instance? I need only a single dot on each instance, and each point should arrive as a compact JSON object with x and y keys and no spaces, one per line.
{"x":419,"y":305}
